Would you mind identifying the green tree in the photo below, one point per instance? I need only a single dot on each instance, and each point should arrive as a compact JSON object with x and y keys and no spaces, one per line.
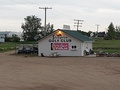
{"x":111,"y":32}
{"x":117,"y":32}
{"x":31,"y":27}
{"x":14,"y":38}
{"x":49,"y":28}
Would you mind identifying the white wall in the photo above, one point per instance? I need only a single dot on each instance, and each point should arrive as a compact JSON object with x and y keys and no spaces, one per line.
{"x":2,"y":38}
{"x":44,"y":47}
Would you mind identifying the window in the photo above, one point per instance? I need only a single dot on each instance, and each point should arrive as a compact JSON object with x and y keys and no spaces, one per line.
{"x":74,"y":48}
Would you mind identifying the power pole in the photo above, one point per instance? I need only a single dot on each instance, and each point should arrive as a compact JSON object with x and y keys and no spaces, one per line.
{"x":45,"y":8}
{"x":78,"y":23}
{"x":97,"y":28}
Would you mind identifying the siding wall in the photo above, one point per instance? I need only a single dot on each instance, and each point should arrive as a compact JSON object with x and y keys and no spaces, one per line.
{"x":44,"y":46}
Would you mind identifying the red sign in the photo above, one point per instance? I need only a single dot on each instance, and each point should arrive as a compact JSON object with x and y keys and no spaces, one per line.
{"x":59,"y":46}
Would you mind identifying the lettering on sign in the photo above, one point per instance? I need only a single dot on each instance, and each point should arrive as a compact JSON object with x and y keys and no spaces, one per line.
{"x":60,"y":39}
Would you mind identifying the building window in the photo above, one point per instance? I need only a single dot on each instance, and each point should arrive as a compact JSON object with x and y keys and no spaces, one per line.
{"x":74,"y":47}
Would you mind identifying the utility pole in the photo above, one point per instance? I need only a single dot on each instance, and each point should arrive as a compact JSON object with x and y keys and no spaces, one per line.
{"x":78,"y":23}
{"x":45,"y":8}
{"x":97,"y":28}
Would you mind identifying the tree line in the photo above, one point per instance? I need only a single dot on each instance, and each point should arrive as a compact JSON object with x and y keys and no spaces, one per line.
{"x":33,"y":30}
{"x":113,"y":33}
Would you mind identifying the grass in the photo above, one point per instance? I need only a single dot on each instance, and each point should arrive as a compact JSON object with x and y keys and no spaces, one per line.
{"x":7,"y":46}
{"x":112,"y":46}
{"x":106,"y":44}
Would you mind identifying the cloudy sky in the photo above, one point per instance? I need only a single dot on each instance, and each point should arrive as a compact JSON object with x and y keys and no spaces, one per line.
{"x":63,"y":12}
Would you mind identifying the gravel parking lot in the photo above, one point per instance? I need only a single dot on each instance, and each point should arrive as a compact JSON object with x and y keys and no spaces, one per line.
{"x":25,"y":72}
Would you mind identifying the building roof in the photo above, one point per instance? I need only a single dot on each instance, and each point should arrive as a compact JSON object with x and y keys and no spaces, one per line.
{"x":77,"y":35}
{"x":4,"y":33}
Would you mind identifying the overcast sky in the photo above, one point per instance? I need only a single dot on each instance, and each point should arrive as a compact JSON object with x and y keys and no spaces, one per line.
{"x":63,"y":12}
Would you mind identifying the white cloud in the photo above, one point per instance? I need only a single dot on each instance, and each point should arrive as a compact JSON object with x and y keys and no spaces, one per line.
{"x":13,"y":12}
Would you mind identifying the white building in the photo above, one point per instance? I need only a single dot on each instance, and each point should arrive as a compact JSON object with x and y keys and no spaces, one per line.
{"x":64,"y":42}
{"x":8,"y":34}
{"x":3,"y":35}
{"x":2,"y":38}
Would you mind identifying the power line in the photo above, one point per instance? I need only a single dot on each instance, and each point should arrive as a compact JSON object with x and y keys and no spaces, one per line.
{"x":97,"y":28}
{"x":45,"y":8}
{"x":78,"y":23}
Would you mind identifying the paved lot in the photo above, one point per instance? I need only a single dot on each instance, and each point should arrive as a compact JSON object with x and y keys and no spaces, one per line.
{"x":22,"y":72}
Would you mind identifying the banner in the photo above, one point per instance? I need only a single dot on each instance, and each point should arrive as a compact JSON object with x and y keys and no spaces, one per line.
{"x":59,"y":46}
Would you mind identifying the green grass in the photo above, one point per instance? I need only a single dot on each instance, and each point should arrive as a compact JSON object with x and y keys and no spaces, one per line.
{"x":106,"y":44}
{"x":112,"y":51}
{"x":7,"y":46}
{"x":112,"y":46}
{"x":30,"y":42}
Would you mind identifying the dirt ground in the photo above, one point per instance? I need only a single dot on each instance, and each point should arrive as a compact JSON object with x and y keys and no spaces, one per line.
{"x":23,"y":72}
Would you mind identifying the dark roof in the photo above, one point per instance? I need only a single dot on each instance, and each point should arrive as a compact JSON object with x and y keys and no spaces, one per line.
{"x":77,"y":35}
{"x":73,"y":33}
{"x":4,"y":33}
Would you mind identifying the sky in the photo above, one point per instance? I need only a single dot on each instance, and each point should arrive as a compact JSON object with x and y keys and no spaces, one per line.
{"x":63,"y":12}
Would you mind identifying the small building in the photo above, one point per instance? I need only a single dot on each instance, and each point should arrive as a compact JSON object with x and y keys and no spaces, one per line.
{"x":2,"y":36}
{"x":64,"y":42}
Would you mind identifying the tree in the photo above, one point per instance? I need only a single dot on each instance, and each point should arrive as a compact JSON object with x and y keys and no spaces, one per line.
{"x":49,"y":28}
{"x":85,"y":33}
{"x":14,"y":38}
{"x":117,"y":32}
{"x":31,"y":27}
{"x":111,"y":32}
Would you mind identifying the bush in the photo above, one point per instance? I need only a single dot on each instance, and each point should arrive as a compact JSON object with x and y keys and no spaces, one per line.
{"x":12,"y":39}
{"x":15,"y":39}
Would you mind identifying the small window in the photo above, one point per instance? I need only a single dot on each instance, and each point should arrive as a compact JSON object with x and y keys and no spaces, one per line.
{"x":74,"y":47}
